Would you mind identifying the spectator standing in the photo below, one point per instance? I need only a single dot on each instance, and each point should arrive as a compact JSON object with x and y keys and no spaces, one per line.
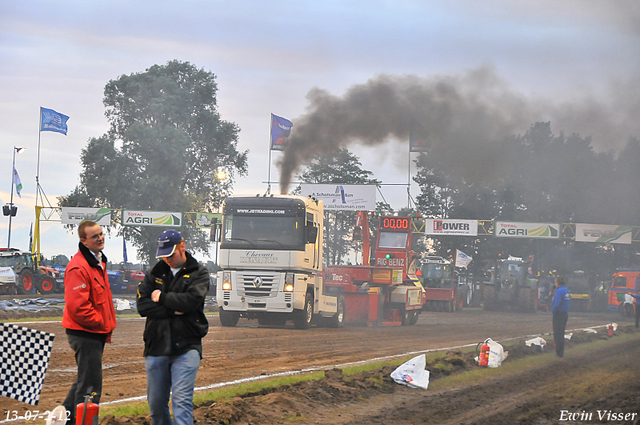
{"x":171,"y":297}
{"x":627,"y":307}
{"x":560,"y":310}
{"x":89,"y":316}
{"x":636,"y":297}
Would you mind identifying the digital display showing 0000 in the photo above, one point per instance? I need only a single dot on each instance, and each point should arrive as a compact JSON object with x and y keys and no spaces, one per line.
{"x":395,"y":223}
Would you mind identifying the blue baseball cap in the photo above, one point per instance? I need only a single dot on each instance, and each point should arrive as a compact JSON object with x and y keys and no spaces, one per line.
{"x":167,"y":242}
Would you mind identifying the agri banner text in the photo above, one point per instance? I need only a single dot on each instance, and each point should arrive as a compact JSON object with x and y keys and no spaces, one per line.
{"x":512,"y":229}
{"x":152,"y":218}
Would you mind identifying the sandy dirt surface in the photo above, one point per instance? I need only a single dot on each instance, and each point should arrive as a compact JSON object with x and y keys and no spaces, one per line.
{"x":249,"y":350}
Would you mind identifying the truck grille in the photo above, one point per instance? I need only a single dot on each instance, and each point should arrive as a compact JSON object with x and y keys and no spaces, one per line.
{"x":258,"y":284}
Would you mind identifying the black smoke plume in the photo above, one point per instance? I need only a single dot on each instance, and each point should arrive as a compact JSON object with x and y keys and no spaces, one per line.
{"x":468,"y":118}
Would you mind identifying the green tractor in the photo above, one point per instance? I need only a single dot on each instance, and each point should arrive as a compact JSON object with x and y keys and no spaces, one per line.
{"x":30,"y":278}
{"x":509,"y":287}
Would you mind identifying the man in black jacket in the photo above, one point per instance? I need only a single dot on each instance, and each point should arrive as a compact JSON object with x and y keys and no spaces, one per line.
{"x":171,"y":297}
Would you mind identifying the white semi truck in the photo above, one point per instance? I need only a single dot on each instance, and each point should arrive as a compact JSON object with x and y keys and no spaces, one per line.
{"x":271,"y":256}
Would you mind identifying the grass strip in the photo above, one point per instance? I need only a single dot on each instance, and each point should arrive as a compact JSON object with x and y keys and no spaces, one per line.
{"x":527,"y":363}
{"x":228,"y":392}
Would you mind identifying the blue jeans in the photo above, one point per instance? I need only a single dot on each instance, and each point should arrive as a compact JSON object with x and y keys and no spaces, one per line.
{"x":175,"y":376}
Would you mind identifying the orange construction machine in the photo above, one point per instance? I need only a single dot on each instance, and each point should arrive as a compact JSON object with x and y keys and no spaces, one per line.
{"x":387,"y":292}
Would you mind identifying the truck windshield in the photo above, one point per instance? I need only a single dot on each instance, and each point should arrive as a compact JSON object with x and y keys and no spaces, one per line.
{"x":511,"y":271}
{"x":435,"y":275}
{"x":578,"y":285}
{"x":434,"y":271}
{"x":620,"y":282}
{"x":263,"y":232}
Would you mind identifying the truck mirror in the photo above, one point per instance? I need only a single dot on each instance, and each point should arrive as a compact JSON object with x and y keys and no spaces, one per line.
{"x":214,"y":236}
{"x":312,"y":234}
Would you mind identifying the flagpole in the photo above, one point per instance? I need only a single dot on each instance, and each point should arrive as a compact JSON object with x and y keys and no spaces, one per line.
{"x":59,"y":125}
{"x":270,"y":141}
{"x":409,"y":174}
{"x":13,"y":180}
{"x":38,"y":208}
{"x":38,"y":161}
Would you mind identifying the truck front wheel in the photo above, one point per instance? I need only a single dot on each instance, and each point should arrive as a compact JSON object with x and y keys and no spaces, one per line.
{"x":229,"y":318}
{"x":302,"y":318}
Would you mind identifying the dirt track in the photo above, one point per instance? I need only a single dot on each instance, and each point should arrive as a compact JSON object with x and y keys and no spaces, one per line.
{"x":593,"y":383}
{"x":249,"y":350}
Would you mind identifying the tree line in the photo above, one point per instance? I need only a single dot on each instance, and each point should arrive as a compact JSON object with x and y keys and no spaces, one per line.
{"x":166,"y":141}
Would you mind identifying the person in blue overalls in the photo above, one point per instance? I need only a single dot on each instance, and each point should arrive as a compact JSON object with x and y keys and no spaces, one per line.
{"x":560,"y":310}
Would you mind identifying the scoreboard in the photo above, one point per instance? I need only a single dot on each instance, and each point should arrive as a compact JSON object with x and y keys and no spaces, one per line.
{"x":395,"y":224}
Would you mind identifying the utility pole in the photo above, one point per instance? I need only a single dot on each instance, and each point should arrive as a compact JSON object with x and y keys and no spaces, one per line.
{"x":10,"y":209}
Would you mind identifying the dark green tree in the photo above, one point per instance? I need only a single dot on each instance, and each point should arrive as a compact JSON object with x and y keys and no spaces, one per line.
{"x":560,"y":178}
{"x":434,"y":199}
{"x":344,"y":167}
{"x":165,"y":144}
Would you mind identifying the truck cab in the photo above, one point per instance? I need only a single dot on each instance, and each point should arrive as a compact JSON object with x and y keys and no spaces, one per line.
{"x":623,"y":281}
{"x":271,"y":256}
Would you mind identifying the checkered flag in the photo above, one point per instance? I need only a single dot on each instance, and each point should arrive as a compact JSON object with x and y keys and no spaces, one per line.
{"x":24,"y":358}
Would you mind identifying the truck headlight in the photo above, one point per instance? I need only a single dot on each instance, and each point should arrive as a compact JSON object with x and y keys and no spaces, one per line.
{"x":289,"y":279}
{"x":226,"y":281}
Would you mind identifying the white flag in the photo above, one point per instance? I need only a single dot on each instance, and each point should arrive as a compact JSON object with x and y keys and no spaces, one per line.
{"x":17,"y":182}
{"x":462,"y":259}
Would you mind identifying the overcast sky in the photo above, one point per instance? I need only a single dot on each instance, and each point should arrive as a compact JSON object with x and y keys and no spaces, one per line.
{"x":268,"y":55}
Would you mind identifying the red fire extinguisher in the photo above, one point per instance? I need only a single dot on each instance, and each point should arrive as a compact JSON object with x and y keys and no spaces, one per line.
{"x":483,"y":357}
{"x":610,"y":330}
{"x":87,"y":410}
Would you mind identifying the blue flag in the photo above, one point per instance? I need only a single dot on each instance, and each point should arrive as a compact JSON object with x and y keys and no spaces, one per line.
{"x":51,"y":120}
{"x":124,"y":250}
{"x":280,"y":130}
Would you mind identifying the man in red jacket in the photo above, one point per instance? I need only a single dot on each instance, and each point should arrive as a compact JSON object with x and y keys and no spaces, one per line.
{"x":89,"y":316}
